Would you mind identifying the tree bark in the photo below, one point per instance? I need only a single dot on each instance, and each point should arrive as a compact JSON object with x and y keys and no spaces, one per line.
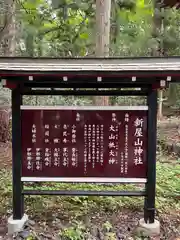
{"x":172,"y":94}
{"x":8,"y":32}
{"x":103,"y":14}
{"x":8,"y":48}
{"x":160,"y":105}
{"x":158,"y":50}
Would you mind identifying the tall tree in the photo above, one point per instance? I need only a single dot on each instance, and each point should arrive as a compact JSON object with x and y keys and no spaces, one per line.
{"x":8,"y":48}
{"x":158,"y":50}
{"x":8,"y":30}
{"x":103,"y":14}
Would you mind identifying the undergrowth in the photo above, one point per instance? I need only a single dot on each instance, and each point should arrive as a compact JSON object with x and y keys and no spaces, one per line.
{"x":73,"y":208}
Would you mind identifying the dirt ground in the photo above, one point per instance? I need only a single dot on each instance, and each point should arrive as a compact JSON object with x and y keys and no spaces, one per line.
{"x":124,"y":221}
{"x":169,"y":130}
{"x":123,"y":225}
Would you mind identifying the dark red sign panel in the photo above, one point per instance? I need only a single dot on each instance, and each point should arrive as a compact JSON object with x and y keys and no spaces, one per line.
{"x":84,"y":142}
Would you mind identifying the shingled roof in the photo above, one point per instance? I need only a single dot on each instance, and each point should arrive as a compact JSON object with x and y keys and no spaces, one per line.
{"x":84,"y":64}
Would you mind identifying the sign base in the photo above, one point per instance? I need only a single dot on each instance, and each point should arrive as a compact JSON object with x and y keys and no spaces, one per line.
{"x":148,"y":229}
{"x":16,"y":225}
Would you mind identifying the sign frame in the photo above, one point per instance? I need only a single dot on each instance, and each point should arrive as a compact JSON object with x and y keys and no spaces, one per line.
{"x":148,"y":193}
{"x":128,"y":78}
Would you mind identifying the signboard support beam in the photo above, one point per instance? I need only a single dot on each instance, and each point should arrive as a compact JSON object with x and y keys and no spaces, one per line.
{"x":84,"y":193}
{"x":18,"y":198}
{"x":149,"y":211}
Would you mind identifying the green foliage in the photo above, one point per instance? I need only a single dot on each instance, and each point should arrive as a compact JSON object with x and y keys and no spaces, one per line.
{"x":75,"y":232}
{"x":62,"y":31}
{"x":124,"y":4}
{"x":75,"y":209}
{"x":134,"y":30}
{"x":168,"y":185}
{"x":107,"y":226}
{"x":31,"y":238}
{"x":67,"y":28}
{"x":170,"y":36}
{"x":57,"y":100}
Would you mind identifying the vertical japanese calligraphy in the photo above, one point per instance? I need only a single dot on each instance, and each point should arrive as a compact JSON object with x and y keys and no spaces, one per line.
{"x":84,"y":142}
{"x":56,"y":156}
{"x":85,"y":149}
{"x":126,"y":137}
{"x":38,"y":159}
{"x":33,"y":133}
{"x":98,"y":144}
{"x":29,"y":158}
{"x":138,"y":143}
{"x":89,"y":143}
{"x":47,"y":157}
{"x":101,"y":144}
{"x":113,"y":140}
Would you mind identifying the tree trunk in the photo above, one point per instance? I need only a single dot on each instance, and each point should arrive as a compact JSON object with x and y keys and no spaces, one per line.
{"x":115,"y":25}
{"x":103,"y":14}
{"x":8,"y":48}
{"x":158,"y":50}
{"x":160,"y":105}
{"x":8,"y":32}
{"x":172,"y":94}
